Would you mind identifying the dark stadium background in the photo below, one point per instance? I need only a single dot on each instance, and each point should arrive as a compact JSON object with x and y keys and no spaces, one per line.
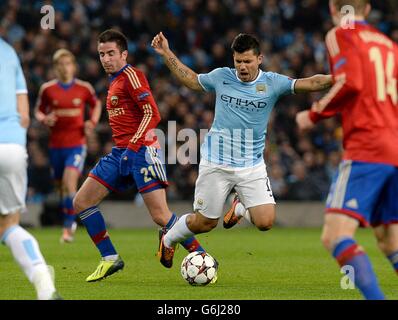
{"x":291,"y":32}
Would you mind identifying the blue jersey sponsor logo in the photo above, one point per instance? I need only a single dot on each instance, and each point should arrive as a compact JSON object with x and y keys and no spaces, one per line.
{"x":142,"y":96}
{"x":339,"y":64}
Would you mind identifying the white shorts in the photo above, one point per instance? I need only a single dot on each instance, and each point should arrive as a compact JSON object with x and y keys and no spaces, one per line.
{"x":13,"y":177}
{"x":215,"y":183}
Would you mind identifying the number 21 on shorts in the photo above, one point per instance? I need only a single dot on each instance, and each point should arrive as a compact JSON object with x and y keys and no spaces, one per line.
{"x":148,"y":173}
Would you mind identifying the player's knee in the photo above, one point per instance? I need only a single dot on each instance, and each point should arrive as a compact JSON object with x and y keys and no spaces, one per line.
{"x":327,"y":241}
{"x":265,"y":224}
{"x":79,"y":204}
{"x":263,"y":218}
{"x":265,"y":227}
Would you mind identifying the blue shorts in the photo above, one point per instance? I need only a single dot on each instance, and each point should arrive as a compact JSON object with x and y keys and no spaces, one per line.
{"x":365,"y":191}
{"x":148,"y":172}
{"x":61,"y":158}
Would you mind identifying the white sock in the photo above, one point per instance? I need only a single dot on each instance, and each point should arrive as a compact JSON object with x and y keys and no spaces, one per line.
{"x":178,"y":232}
{"x":111,"y":257}
{"x":241,"y":211}
{"x":43,"y":282}
{"x":26,"y":252}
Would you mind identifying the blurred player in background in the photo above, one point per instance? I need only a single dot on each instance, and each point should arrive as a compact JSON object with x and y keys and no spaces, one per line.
{"x":364,"y":63}
{"x":136,"y":158}
{"x":14,"y":119}
{"x":61,"y":106}
{"x":232,"y":151}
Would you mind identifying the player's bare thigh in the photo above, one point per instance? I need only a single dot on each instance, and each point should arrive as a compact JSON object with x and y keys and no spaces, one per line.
{"x":387,"y":238}
{"x":337,"y":226}
{"x":90,"y":194}
{"x":7,"y":221}
{"x":157,"y":206}
{"x":263,"y":216}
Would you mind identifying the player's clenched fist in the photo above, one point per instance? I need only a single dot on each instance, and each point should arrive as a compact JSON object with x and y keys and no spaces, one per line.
{"x":160,"y":43}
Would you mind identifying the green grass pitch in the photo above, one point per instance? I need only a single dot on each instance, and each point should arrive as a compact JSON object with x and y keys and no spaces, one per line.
{"x":283,"y":263}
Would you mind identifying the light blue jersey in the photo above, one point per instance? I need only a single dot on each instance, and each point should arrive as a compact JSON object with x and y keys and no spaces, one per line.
{"x":237,"y":135}
{"x":12,"y":82}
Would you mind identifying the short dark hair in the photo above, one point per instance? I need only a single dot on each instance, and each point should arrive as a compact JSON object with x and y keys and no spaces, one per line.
{"x":112,"y":35}
{"x":244,"y":42}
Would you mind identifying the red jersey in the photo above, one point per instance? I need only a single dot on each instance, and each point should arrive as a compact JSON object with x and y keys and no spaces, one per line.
{"x":68,"y":102}
{"x":132,"y":110}
{"x":364,"y":64}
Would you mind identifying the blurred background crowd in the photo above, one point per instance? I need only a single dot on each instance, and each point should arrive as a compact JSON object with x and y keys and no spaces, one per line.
{"x":200,"y":32}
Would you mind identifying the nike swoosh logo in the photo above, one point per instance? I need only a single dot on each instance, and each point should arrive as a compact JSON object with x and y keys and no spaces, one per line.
{"x":224,"y":82}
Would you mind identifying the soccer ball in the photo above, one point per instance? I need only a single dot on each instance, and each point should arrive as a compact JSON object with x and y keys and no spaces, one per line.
{"x":199,"y":268}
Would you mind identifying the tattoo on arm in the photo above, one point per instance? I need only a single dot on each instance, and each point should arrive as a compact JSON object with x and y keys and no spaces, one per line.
{"x":182,"y":72}
{"x":172,"y":62}
{"x":322,"y":83}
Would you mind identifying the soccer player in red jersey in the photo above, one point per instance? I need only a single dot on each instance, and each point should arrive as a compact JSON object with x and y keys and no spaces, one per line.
{"x":364,"y":63}
{"x":61,"y":106}
{"x":136,"y":158}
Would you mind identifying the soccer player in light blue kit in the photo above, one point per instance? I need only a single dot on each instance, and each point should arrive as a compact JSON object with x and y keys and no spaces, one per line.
{"x":14,"y":119}
{"x":232,"y":152}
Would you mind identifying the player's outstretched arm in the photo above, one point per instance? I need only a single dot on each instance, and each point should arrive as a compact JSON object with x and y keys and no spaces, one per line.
{"x":187,"y":76}
{"x":317,"y":82}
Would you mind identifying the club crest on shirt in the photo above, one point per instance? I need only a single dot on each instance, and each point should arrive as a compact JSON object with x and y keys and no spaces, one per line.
{"x":76,"y":101}
{"x":261,"y":88}
{"x":199,"y":203}
{"x":114,"y":100}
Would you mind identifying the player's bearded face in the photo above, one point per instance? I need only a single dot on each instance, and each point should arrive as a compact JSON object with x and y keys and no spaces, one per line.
{"x":246,"y":64}
{"x":111,"y":58}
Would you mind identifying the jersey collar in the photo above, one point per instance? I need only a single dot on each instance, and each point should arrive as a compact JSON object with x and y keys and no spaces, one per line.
{"x":260,"y":72}
{"x":361,"y":22}
{"x":66,"y":86}
{"x":113,"y":77}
